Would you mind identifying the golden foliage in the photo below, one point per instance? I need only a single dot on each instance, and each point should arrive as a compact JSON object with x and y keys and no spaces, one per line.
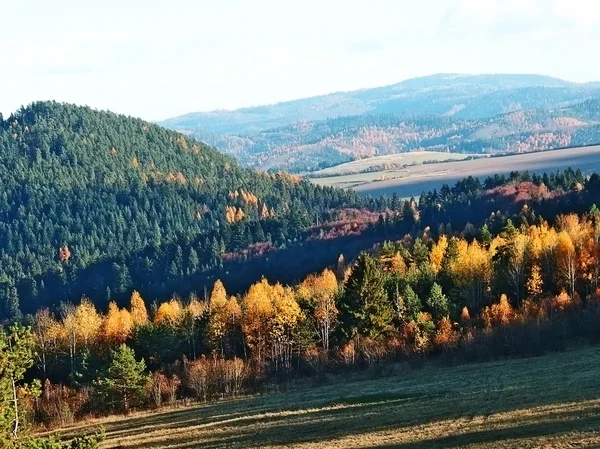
{"x":446,"y":336}
{"x":89,"y":322}
{"x":234,"y":214}
{"x":117,"y":325}
{"x":564,"y":301}
{"x":269,"y":313}
{"x":320,"y":291}
{"x":501,"y":313}
{"x":436,"y":256}
{"x":139,"y":314}
{"x":535,"y":283}
{"x":220,"y":319}
{"x":169,"y":313}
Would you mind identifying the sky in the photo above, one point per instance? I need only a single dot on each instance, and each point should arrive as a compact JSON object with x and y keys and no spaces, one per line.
{"x":159,"y":59}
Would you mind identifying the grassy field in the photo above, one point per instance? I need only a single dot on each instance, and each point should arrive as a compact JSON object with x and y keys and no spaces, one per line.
{"x":412,"y":181}
{"x":551,"y":401}
{"x":378,"y":162}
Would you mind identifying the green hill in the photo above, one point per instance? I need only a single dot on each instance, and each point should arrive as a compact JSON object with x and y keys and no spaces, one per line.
{"x":96,"y":203}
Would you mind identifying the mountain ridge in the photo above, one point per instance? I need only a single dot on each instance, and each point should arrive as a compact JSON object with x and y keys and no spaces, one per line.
{"x":253,"y":119}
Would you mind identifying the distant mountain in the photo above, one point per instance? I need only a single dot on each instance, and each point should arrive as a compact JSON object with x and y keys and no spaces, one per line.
{"x":446,"y":112}
{"x":469,"y":96}
{"x":309,"y":146}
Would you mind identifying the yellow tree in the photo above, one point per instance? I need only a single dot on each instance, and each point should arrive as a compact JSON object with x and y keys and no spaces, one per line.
{"x":286,"y":315}
{"x":218,"y":315}
{"x":472,"y":270}
{"x":535,"y":283}
{"x":319,"y":291}
{"x":88,"y":323}
{"x":117,"y":326}
{"x":139,"y":313}
{"x":501,"y":313}
{"x":548,"y":240}
{"x":257,"y":311}
{"x":436,"y":256}
{"x":169,"y":313}
{"x":80,"y":325}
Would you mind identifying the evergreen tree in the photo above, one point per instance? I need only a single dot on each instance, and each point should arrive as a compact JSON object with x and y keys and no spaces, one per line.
{"x":412,"y":303}
{"x":366,"y":309}
{"x":124,"y":380}
{"x":437,"y":302}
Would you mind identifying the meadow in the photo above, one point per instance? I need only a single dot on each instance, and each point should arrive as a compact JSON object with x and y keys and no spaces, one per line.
{"x":379,"y":163}
{"x":549,"y":401}
{"x":413,"y":180}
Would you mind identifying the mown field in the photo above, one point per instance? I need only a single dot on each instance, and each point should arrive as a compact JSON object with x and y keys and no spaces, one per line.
{"x":378,"y":163}
{"x":412,"y":181}
{"x":550,"y":401}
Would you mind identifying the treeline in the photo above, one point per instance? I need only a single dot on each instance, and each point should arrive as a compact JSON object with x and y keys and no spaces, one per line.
{"x":527,"y":290}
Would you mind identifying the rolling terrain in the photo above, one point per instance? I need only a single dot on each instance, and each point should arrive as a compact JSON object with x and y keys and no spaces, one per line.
{"x":447,"y":113}
{"x":466,"y":96}
{"x":549,"y":401}
{"x":413,"y":180}
{"x":387,"y":162}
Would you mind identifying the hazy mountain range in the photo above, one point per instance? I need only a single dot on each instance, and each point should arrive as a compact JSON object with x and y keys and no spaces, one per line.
{"x":446,"y":112}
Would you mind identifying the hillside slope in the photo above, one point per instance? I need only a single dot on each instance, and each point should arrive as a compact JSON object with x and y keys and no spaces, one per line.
{"x":309,"y":146}
{"x":450,"y":113}
{"x":549,"y":401}
{"x":470,"y":96}
{"x":95,"y":203}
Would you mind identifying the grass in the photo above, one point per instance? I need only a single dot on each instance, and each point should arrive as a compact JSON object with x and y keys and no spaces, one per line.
{"x":413,"y":180}
{"x":549,"y":401}
{"x":377,"y":163}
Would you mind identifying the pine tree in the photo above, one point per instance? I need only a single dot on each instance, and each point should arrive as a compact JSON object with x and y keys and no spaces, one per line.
{"x":366,"y":309}
{"x":437,"y":302}
{"x":125,"y":379}
{"x":412,"y":303}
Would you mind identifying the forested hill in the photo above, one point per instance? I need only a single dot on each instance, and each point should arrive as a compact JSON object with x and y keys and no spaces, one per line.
{"x":94,"y":203}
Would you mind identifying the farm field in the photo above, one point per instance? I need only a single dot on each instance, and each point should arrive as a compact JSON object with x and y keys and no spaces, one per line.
{"x":412,"y":181}
{"x":550,"y":401}
{"x":400,"y":159}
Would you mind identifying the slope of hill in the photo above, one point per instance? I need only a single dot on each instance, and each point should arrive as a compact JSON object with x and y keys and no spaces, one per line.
{"x":94,"y":203}
{"x":464,"y":95}
{"x":449,"y":113}
{"x":309,"y":146}
{"x":548,"y":401}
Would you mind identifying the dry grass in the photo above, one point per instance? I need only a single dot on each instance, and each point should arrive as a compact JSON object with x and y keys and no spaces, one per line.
{"x":412,"y":181}
{"x":550,"y":401}
{"x":399,"y":159}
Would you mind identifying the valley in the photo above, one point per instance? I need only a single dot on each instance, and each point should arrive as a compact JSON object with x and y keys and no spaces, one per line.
{"x":416,"y":179}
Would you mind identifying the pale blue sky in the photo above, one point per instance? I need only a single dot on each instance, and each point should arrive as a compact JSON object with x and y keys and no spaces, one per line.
{"x":159,"y":59}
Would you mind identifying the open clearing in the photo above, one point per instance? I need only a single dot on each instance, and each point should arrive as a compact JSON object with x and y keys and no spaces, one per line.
{"x":412,"y":181}
{"x":550,"y":401}
{"x":377,"y":163}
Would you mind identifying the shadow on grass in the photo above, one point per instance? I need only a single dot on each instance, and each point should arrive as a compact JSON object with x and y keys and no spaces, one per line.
{"x":497,"y":436}
{"x":321,"y":426}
